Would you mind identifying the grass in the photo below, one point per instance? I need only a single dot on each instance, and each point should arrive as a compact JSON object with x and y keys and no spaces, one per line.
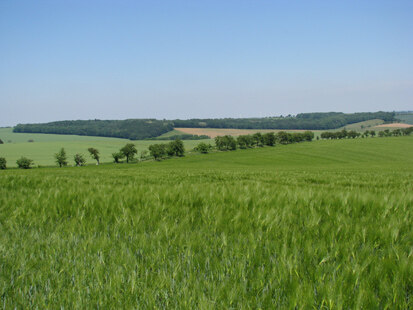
{"x":44,"y":147}
{"x":363,"y":126}
{"x":325,"y":224}
{"x":405,"y":117}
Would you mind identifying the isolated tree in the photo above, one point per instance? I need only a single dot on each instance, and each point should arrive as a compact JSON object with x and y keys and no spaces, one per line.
{"x":372,"y":133}
{"x":24,"y":163}
{"x":94,"y":153}
{"x":3,"y":163}
{"x":203,"y":148}
{"x":129,"y":151}
{"x":61,"y":158}
{"x":117,"y":157}
{"x":176,"y":148}
{"x":79,"y":160}
{"x":157,"y":151}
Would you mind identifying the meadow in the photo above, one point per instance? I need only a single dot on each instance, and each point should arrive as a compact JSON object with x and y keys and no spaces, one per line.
{"x":323,"y":224}
{"x":42,"y":150}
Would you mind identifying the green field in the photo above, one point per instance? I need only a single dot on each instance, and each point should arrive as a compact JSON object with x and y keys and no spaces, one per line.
{"x":44,"y":147}
{"x":405,"y":117}
{"x":318,"y":225}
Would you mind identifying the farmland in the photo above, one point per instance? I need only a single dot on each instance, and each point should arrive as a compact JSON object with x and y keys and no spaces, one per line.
{"x":324,"y":224}
{"x":45,"y":145}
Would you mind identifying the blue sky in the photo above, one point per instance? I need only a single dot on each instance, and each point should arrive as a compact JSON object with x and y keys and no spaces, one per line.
{"x":184,"y":59}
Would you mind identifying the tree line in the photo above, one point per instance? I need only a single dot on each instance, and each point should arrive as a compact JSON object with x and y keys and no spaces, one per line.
{"x":304,"y":121}
{"x":229,"y":143}
{"x":133,"y":129}
{"x":139,"y":129}
{"x":351,"y":134}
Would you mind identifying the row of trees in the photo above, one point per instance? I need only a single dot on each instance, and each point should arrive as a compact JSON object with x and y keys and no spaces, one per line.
{"x":343,"y":134}
{"x":229,"y":143}
{"x":173,"y":148}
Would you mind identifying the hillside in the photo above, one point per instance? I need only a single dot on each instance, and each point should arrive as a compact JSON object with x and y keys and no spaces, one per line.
{"x":138,"y":129}
{"x":44,"y":146}
{"x":324,"y":224}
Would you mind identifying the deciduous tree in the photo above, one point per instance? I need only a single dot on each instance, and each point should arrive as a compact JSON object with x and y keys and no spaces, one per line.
{"x":61,"y":158}
{"x":94,"y":153}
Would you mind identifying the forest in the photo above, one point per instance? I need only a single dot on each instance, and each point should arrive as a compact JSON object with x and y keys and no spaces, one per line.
{"x":139,"y":129}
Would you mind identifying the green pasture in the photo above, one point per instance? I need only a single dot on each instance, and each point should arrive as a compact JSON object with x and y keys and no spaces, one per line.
{"x":314,"y":225}
{"x":362,"y":126}
{"x":42,"y":150}
{"x":405,"y":118}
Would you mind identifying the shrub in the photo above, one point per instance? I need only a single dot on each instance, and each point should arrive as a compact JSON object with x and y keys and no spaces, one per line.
{"x":3,"y":163}
{"x":24,"y":163}
{"x":1,"y":141}
{"x":203,"y":148}
{"x":30,"y":140}
{"x":61,"y":158}
{"x":118,"y":156}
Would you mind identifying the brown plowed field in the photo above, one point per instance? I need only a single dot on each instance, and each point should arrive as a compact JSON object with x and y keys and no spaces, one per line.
{"x":214,"y":132}
{"x":394,"y":125}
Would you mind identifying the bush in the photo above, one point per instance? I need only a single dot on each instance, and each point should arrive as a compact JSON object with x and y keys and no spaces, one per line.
{"x":24,"y":163}
{"x":3,"y":163}
{"x":118,"y":156}
{"x":203,"y":148}
{"x":1,"y":141}
{"x":30,"y":140}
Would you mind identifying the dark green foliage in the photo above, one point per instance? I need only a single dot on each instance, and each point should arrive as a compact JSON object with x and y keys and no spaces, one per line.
{"x":61,"y":158}
{"x":176,"y":148}
{"x":173,"y":148}
{"x":3,"y":163}
{"x":94,"y":153}
{"x":258,"y":139}
{"x":158,"y":151}
{"x":311,"y":121}
{"x":1,"y":141}
{"x":129,"y":150}
{"x":203,"y":148}
{"x":225,"y":143}
{"x":269,"y":138}
{"x":24,"y":163}
{"x":79,"y":160}
{"x":245,"y":141}
{"x":118,"y":156}
{"x":134,"y":129}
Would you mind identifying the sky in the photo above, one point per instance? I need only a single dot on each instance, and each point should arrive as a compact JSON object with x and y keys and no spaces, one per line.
{"x":62,"y":60}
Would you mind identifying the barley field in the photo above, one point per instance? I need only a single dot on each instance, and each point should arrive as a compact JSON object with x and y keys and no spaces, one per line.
{"x":323,"y":225}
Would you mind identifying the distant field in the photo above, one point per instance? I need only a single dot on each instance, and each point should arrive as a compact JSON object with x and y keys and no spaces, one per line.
{"x":394,"y":125}
{"x":406,"y":118}
{"x":362,"y":126}
{"x":314,"y":225}
{"x":45,"y":146}
{"x":214,"y":132}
